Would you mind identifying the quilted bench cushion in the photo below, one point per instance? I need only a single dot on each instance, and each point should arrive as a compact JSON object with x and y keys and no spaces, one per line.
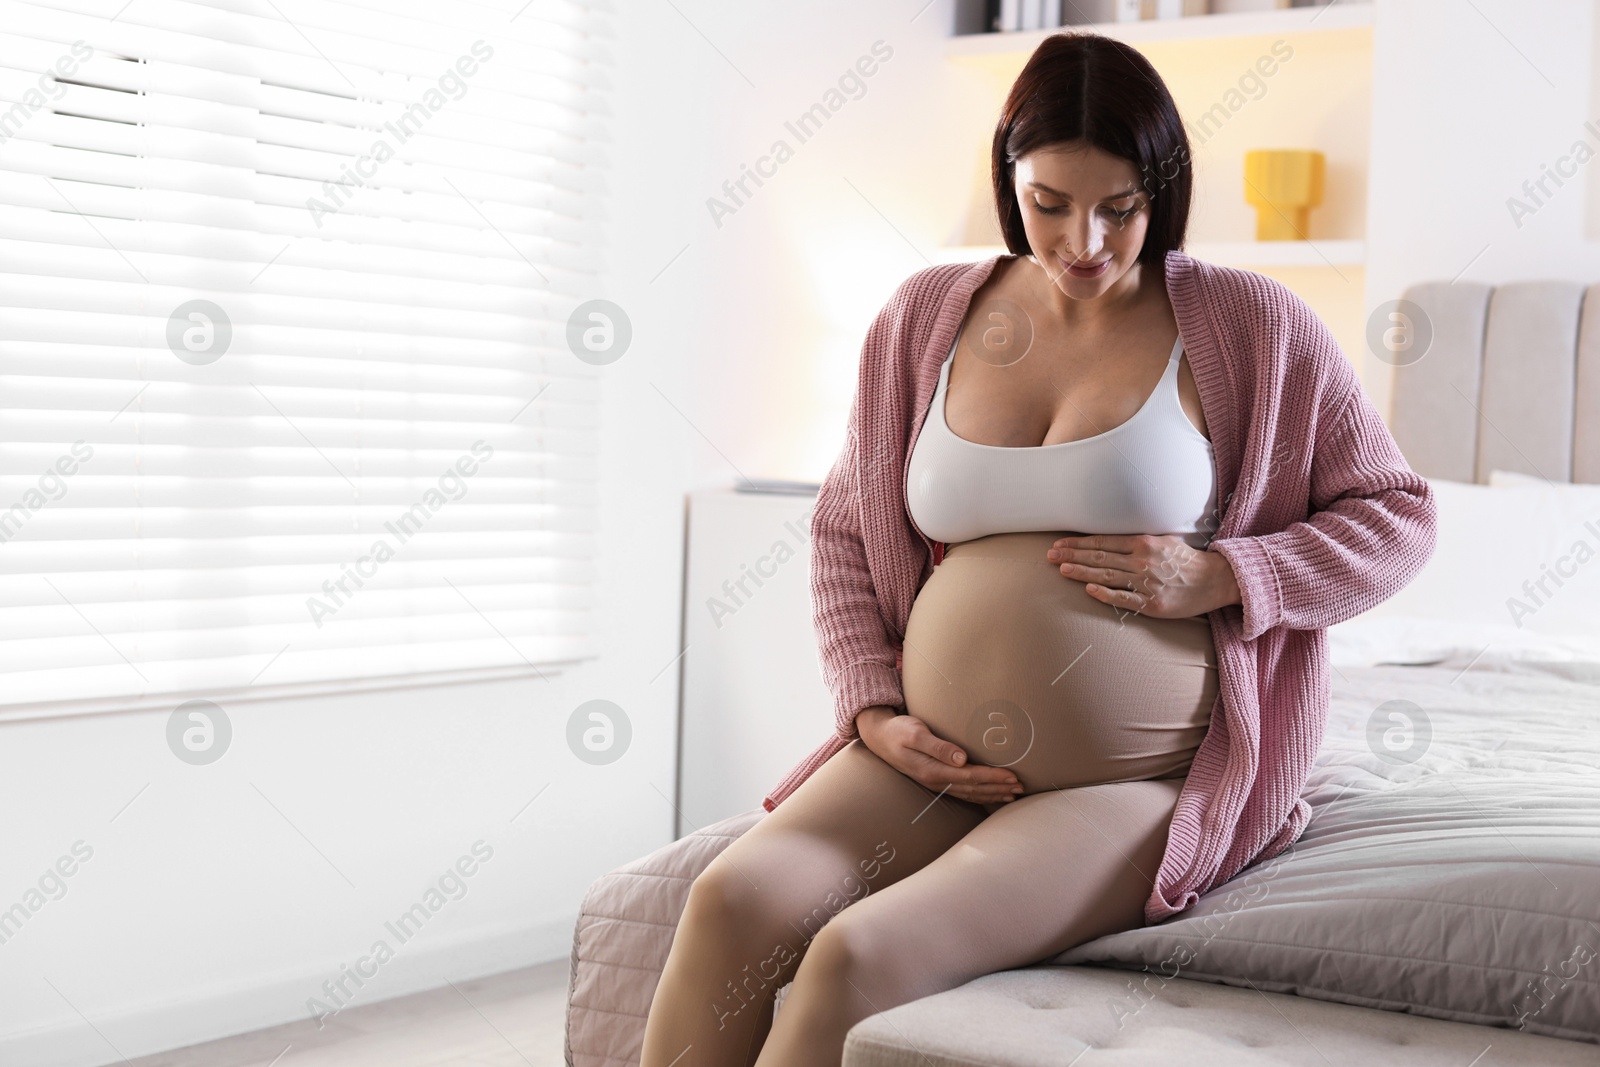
{"x":1052,"y":1016}
{"x":620,"y":944}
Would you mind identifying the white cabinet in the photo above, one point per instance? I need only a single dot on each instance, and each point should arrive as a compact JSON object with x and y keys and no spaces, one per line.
{"x":752,"y":699}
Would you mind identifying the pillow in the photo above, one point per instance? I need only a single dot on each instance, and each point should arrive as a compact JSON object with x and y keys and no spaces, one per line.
{"x":1499,"y":478}
{"x":1519,"y":555}
{"x":1366,"y":641}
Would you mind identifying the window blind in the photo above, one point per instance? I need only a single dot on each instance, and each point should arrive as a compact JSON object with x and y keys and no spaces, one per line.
{"x":286,"y":401}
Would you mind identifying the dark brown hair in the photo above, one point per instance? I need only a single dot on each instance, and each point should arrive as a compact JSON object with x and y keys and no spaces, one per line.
{"x":1089,"y":88}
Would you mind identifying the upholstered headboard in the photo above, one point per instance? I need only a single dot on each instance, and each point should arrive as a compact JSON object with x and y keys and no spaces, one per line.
{"x":1510,"y":379}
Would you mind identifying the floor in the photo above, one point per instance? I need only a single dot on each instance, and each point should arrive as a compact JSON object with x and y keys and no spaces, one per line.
{"x":506,"y":1020}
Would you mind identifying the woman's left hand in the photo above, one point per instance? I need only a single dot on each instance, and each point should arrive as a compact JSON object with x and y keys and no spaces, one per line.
{"x":1158,"y":575}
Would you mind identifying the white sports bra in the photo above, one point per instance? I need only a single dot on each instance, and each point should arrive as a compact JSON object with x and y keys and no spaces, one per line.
{"x":1151,"y":474}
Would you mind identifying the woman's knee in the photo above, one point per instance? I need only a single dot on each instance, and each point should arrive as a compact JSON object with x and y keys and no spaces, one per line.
{"x":858,"y":956}
{"x":742,"y":944}
{"x":724,"y":899}
{"x":747,"y":921}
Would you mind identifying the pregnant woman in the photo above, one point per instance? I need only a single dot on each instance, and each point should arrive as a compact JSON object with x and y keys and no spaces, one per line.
{"x":1097,"y":504}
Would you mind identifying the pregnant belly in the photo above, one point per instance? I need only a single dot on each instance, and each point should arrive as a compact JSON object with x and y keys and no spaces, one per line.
{"x":1023,"y":669}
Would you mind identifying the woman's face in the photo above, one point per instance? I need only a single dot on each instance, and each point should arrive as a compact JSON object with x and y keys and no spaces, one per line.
{"x":1085,"y":213}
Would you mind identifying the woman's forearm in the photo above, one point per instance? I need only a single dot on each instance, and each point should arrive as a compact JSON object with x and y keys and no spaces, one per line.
{"x":1224,"y":583}
{"x":868,"y":720}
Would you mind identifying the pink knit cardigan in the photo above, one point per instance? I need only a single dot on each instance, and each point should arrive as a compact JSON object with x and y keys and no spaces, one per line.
{"x":1321,"y":518}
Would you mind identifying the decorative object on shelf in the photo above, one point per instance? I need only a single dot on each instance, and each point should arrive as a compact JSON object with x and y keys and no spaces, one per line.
{"x":777,"y":485}
{"x":1092,"y":12}
{"x":1040,"y":14}
{"x":1008,"y":16}
{"x":1014,"y":16}
{"x":1284,"y":184}
{"x":1175,"y":9}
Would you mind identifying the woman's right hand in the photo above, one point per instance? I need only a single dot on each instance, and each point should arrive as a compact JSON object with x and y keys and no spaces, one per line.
{"x":905,"y":743}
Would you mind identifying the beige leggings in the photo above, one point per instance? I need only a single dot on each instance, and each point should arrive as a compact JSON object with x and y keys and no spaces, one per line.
{"x":869,"y":890}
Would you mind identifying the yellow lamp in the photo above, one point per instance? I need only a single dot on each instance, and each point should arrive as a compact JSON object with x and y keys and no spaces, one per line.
{"x":1284,"y":184}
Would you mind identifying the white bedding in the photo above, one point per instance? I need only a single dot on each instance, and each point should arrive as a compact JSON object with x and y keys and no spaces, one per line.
{"x":1368,"y":641}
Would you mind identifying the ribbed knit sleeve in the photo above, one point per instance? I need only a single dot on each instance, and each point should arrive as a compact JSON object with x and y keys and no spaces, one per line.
{"x":1372,"y":526}
{"x":857,"y":657}
{"x":847,"y":609}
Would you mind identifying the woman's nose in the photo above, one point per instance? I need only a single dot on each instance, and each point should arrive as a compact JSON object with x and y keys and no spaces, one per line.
{"x":1085,"y":240}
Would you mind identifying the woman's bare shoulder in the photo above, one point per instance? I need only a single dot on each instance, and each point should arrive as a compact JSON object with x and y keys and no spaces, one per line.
{"x":1006,"y":292}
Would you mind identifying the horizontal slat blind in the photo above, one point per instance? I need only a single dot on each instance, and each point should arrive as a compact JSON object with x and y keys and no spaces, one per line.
{"x":389,"y":470}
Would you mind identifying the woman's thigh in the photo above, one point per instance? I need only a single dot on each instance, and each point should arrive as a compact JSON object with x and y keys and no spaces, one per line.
{"x":853,"y":828}
{"x":1043,"y":873}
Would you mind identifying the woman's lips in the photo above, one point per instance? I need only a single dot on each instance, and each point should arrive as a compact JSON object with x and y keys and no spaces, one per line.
{"x":1087,"y":272}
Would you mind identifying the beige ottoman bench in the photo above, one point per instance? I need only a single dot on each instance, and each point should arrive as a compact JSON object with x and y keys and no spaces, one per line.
{"x":1057,"y":1016}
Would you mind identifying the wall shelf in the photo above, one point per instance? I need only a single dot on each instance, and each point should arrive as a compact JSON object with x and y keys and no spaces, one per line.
{"x":1312,"y":253}
{"x":1248,"y":254}
{"x":1335,"y":16}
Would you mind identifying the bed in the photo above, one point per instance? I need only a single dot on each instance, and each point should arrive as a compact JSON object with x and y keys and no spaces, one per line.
{"x":1443,"y":905}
